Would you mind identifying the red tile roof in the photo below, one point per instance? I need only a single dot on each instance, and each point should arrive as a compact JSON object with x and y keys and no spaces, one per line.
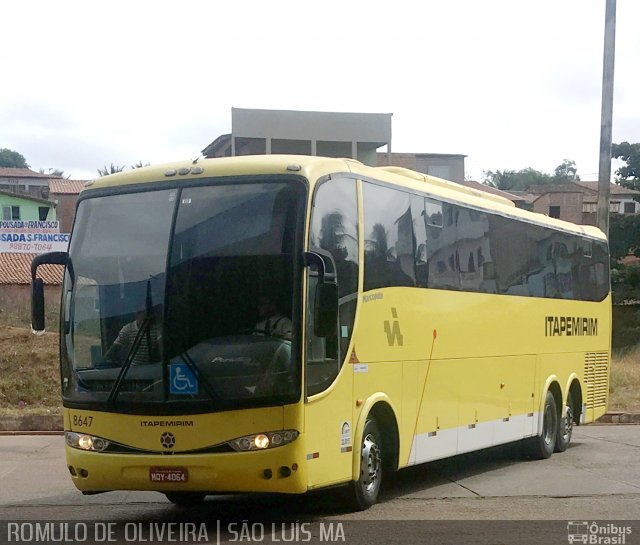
{"x":615,"y":189}
{"x":568,"y":187}
{"x":16,"y":269}
{"x":60,"y":185}
{"x":7,"y":172}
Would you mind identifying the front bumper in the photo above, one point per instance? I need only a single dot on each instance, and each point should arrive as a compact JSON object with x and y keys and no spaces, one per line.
{"x":221,"y":472}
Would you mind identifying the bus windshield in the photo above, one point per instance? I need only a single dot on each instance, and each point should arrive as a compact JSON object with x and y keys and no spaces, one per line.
{"x":185,"y":298}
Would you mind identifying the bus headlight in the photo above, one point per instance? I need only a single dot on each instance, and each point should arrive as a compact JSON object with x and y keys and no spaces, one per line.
{"x":261,"y":441}
{"x":83,"y":441}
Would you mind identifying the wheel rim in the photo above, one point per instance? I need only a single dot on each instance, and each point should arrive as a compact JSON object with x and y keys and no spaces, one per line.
{"x":567,"y":423}
{"x":548,"y":425}
{"x":370,"y":464}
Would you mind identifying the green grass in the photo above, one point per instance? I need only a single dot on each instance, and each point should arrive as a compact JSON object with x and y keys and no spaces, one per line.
{"x":624,"y":385}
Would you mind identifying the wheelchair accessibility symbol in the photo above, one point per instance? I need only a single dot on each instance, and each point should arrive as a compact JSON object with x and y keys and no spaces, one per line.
{"x":182,"y":379}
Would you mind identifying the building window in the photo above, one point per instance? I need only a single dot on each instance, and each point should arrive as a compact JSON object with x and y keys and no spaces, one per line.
{"x":629,"y":208}
{"x":589,"y":207}
{"x":614,"y":206}
{"x":43,"y":212}
{"x":13,"y":188}
{"x":554,"y":212}
{"x":10,"y":213}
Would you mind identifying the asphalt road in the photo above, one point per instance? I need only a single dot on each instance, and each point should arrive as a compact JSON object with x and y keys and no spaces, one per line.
{"x":470,"y":498}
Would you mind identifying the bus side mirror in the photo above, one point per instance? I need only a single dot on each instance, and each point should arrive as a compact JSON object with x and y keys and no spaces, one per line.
{"x":37,"y":305}
{"x":37,"y":286}
{"x":326,"y":310}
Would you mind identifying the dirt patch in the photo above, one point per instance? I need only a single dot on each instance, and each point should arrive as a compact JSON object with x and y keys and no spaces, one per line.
{"x":625,"y":382}
{"x":29,"y":371}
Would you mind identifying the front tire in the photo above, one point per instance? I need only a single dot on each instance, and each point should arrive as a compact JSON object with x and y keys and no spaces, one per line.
{"x":542,"y":446}
{"x":364,"y":492}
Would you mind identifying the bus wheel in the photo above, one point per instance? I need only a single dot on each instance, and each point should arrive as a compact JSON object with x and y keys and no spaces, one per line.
{"x":542,"y":446}
{"x":185,"y":498}
{"x":364,"y":491}
{"x":565,"y":427}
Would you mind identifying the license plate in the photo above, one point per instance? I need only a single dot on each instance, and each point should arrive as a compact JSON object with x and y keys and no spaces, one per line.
{"x":168,"y":474}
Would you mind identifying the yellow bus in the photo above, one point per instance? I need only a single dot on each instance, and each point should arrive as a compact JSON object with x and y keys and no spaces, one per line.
{"x":412,"y":319}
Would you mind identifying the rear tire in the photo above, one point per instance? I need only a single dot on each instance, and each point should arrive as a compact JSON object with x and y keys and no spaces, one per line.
{"x":363,"y":493}
{"x":565,"y":427}
{"x":185,"y":498}
{"x":542,"y":446}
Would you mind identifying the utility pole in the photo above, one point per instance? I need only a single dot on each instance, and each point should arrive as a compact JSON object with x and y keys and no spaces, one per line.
{"x":604,"y":176}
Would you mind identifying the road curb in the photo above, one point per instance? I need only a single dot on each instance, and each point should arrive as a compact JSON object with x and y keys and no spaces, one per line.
{"x":31,"y":423}
{"x":619,"y":418}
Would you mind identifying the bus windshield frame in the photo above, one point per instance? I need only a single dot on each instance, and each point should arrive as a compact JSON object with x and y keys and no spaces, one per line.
{"x":166,"y":287}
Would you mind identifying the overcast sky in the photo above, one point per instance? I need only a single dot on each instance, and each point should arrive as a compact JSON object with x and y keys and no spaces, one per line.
{"x":509,"y":83}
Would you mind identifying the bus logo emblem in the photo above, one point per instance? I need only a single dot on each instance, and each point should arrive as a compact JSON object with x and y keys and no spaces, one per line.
{"x":167,"y":439}
{"x":393,"y":331}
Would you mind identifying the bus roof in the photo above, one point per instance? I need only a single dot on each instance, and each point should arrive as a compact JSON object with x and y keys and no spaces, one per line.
{"x":314,"y":168}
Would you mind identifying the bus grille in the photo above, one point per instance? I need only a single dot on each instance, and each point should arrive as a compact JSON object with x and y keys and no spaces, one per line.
{"x":596,"y":378}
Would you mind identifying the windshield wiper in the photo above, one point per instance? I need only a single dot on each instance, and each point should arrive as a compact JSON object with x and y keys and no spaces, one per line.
{"x":137,"y":341}
{"x":185,"y":357}
{"x":135,"y":345}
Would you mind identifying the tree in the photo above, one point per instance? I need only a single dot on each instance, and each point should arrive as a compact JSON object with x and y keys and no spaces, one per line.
{"x":12,"y":159}
{"x":111,"y":169}
{"x":566,"y":172}
{"x":140,"y":164}
{"x":55,"y":172}
{"x":624,"y":237}
{"x":628,"y":175}
{"x":500,"y":179}
{"x":519,"y":180}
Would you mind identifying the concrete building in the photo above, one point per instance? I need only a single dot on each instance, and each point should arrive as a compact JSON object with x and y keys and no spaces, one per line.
{"x":16,"y":206}
{"x":577,"y":201}
{"x":448,"y":166}
{"x":65,"y":194}
{"x":25,"y":181}
{"x":329,"y":134}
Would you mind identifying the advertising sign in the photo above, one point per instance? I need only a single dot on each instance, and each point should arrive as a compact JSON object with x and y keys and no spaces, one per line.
{"x":32,"y":237}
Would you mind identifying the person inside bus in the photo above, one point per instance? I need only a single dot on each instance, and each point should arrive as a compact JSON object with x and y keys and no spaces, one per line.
{"x":271,"y":321}
{"x":147,"y":349}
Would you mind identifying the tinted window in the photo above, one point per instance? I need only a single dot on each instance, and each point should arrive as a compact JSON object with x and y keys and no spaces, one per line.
{"x":390,"y":244}
{"x":511,"y":255}
{"x":442,"y":250}
{"x":460,"y":248}
{"x":334,"y":229}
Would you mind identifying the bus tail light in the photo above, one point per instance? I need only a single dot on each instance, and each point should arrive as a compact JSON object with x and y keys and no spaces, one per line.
{"x":261,"y":441}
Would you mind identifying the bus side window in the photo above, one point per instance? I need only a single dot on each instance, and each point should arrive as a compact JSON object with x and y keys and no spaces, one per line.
{"x":390,"y":243}
{"x":334,"y":228}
